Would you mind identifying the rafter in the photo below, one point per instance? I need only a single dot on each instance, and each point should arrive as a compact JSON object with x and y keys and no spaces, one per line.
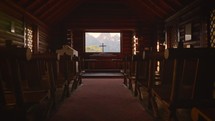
{"x":52,"y":8}
{"x":43,"y":7}
{"x":158,"y":8}
{"x":167,"y":5}
{"x":34,"y":4}
{"x":177,"y":2}
{"x":22,"y":2}
{"x":61,"y":11}
{"x":150,"y":9}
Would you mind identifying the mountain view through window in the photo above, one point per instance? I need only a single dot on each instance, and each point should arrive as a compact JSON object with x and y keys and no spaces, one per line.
{"x":102,"y":42}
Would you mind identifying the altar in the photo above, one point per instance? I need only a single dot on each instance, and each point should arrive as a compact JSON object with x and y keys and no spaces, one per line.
{"x":102,"y":61}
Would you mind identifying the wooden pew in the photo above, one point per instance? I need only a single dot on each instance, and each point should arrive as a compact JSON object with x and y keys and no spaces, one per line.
{"x":146,"y":68}
{"x":129,"y":68}
{"x":64,"y":75}
{"x":67,"y":70}
{"x":78,"y":71}
{"x":20,"y":101}
{"x":125,"y":69}
{"x":33,"y":84}
{"x":144,"y":76}
{"x":135,"y":71}
{"x":131,"y":73}
{"x":186,"y":81}
{"x":45,"y":62}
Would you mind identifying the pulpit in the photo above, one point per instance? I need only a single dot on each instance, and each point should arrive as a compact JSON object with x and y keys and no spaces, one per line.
{"x":66,"y":49}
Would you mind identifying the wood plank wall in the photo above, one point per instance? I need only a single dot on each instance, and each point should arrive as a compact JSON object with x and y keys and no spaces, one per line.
{"x":15,"y":18}
{"x":175,"y":26}
{"x":11,"y":28}
{"x":43,"y":40}
{"x":126,"y":42}
{"x":78,"y":41}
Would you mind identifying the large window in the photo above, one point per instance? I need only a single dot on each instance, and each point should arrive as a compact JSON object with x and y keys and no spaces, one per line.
{"x":98,"y":42}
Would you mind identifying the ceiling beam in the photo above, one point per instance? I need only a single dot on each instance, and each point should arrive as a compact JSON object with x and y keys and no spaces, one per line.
{"x":167,"y":5}
{"x":139,"y":11}
{"x":150,"y":9}
{"x":55,"y":6}
{"x":158,"y":8}
{"x":34,"y":5}
{"x":43,"y":7}
{"x":67,"y":7}
{"x":25,"y":13}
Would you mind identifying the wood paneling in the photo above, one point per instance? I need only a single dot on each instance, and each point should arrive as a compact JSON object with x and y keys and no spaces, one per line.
{"x":12,"y":24}
{"x":193,"y":15}
{"x":11,"y":29}
{"x":127,"y":37}
{"x":43,"y":40}
{"x":78,"y":41}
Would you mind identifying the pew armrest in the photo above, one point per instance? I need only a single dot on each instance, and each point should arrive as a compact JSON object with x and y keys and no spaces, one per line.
{"x":206,"y":113}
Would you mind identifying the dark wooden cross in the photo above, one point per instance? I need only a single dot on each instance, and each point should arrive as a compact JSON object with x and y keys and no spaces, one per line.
{"x":102,"y":45}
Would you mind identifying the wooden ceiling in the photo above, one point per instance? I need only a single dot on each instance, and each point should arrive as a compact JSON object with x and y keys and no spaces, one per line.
{"x":101,"y":13}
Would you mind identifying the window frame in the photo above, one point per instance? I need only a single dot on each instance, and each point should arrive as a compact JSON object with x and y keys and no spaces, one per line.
{"x":120,"y":43}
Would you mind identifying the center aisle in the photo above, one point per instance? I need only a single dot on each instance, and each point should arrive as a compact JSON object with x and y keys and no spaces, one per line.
{"x":101,"y":99}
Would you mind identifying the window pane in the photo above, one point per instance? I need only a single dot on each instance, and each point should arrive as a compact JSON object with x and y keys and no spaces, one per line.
{"x":102,"y":42}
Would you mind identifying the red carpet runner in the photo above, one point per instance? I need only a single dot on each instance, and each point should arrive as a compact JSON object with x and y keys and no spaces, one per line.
{"x":100,"y":99}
